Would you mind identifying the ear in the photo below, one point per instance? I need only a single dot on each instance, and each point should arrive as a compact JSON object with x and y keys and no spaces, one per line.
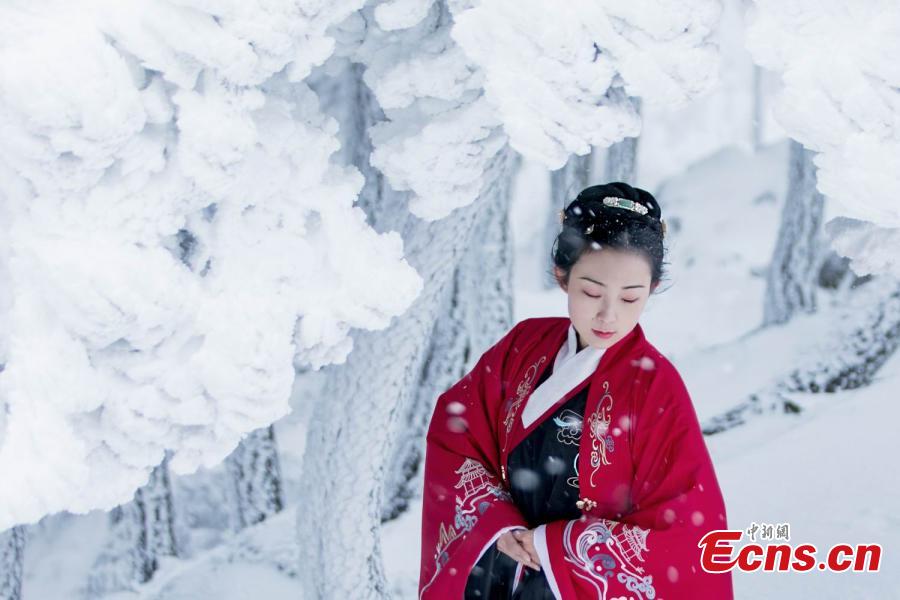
{"x":559,"y":275}
{"x":653,"y":286}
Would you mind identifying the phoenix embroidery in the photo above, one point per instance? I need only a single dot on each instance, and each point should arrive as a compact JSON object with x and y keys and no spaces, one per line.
{"x":598,"y":425}
{"x":522,"y":391}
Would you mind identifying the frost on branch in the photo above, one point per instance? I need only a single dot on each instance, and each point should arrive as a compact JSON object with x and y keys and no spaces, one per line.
{"x":562,"y":84}
{"x":175,"y":239}
{"x":841,"y":98}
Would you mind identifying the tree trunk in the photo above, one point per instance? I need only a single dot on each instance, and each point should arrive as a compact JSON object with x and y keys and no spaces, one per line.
{"x":477,"y":312}
{"x":793,"y":271}
{"x":141,"y":533}
{"x":565,"y":183}
{"x":757,"y":123}
{"x":868,"y":333}
{"x":12,"y":559}
{"x":349,"y":433}
{"x":621,"y":157}
{"x":255,"y":478}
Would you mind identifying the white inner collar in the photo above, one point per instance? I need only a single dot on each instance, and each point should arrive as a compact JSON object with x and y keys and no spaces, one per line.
{"x":568,"y":349}
{"x":570,"y":368}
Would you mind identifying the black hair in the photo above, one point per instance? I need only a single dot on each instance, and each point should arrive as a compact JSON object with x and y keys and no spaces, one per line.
{"x":613,"y":227}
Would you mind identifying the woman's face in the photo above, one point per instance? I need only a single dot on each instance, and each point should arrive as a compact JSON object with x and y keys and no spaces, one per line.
{"x":607,"y":291}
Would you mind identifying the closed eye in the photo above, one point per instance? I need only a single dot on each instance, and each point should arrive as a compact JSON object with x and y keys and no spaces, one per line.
{"x":623,"y":300}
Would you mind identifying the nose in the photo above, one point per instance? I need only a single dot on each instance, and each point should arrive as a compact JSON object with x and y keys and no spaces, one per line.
{"x":606,"y":313}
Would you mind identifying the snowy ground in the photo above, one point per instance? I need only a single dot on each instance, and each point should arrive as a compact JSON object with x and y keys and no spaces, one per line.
{"x":825,"y":471}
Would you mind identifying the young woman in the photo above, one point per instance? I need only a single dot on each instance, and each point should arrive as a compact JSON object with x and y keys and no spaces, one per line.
{"x":569,"y":463}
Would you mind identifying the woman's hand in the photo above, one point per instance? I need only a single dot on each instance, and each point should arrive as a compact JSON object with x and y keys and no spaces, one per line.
{"x":519,"y":545}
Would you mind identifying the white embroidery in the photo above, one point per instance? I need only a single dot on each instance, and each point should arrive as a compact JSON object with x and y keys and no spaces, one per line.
{"x":569,"y":423}
{"x":569,"y":432}
{"x":573,"y":481}
{"x":600,"y":553}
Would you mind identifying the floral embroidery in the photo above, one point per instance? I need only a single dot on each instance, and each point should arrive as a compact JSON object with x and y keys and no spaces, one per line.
{"x":607,"y":549}
{"x":598,"y":423}
{"x":522,"y":391}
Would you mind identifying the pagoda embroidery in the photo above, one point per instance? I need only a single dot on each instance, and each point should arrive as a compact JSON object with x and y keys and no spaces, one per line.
{"x":472,"y":477}
{"x":633,"y":541}
{"x":478,"y":489}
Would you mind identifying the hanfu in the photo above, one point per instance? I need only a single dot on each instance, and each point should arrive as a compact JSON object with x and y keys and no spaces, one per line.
{"x":599,"y":451}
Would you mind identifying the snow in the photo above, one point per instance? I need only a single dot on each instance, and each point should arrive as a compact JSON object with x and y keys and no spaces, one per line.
{"x":440,"y":134}
{"x":162,"y":228}
{"x":822,"y":471}
{"x":841,"y":98}
{"x":735,"y":113}
{"x":175,"y":239}
{"x":825,"y":473}
{"x":561,"y":89}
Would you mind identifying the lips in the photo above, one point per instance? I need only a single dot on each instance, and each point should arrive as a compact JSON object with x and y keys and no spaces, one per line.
{"x":603,"y":334}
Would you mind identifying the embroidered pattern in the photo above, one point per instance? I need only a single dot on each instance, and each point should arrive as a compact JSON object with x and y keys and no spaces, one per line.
{"x":601,"y":552}
{"x":569,"y":432}
{"x":569,"y":423}
{"x":601,"y":441}
{"x":479,"y":489}
{"x":522,"y":391}
{"x":573,"y":481}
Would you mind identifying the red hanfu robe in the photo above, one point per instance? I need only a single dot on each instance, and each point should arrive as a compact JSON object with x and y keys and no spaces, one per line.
{"x":644,"y":507}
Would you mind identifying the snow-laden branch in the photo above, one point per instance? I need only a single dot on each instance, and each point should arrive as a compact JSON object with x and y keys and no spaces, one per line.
{"x":560,"y":76}
{"x":174,"y":238}
{"x":841,"y":98}
{"x":440,"y":135}
{"x":551,"y":82}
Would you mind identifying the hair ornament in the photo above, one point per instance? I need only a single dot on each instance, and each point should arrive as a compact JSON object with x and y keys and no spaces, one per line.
{"x":617,"y":202}
{"x":626,"y":204}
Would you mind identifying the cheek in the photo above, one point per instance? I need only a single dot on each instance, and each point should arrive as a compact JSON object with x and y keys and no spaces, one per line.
{"x":580,"y":303}
{"x":637,"y":308}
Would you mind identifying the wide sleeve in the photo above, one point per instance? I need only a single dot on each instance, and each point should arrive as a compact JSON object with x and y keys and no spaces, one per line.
{"x":465,"y":506}
{"x":653,"y":550}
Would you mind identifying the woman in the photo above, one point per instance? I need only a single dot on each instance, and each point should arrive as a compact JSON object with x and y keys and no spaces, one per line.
{"x":569,"y":463}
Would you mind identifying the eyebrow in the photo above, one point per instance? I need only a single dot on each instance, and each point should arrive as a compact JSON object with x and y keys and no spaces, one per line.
{"x":627,"y":287}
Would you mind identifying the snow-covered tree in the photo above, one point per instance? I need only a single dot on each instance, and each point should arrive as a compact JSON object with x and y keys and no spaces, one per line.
{"x":841,"y":99}
{"x":255,"y":474}
{"x":563,"y":91}
{"x":455,"y":153}
{"x":565,"y":183}
{"x":175,"y":238}
{"x":12,"y":558}
{"x":621,"y":157}
{"x":477,"y":310}
{"x":792,"y":276}
{"x":564,"y":84}
{"x":142,"y":532}
{"x":453,"y":85}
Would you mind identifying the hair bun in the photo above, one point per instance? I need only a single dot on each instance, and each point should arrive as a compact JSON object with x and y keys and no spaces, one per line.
{"x":619,"y":189}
